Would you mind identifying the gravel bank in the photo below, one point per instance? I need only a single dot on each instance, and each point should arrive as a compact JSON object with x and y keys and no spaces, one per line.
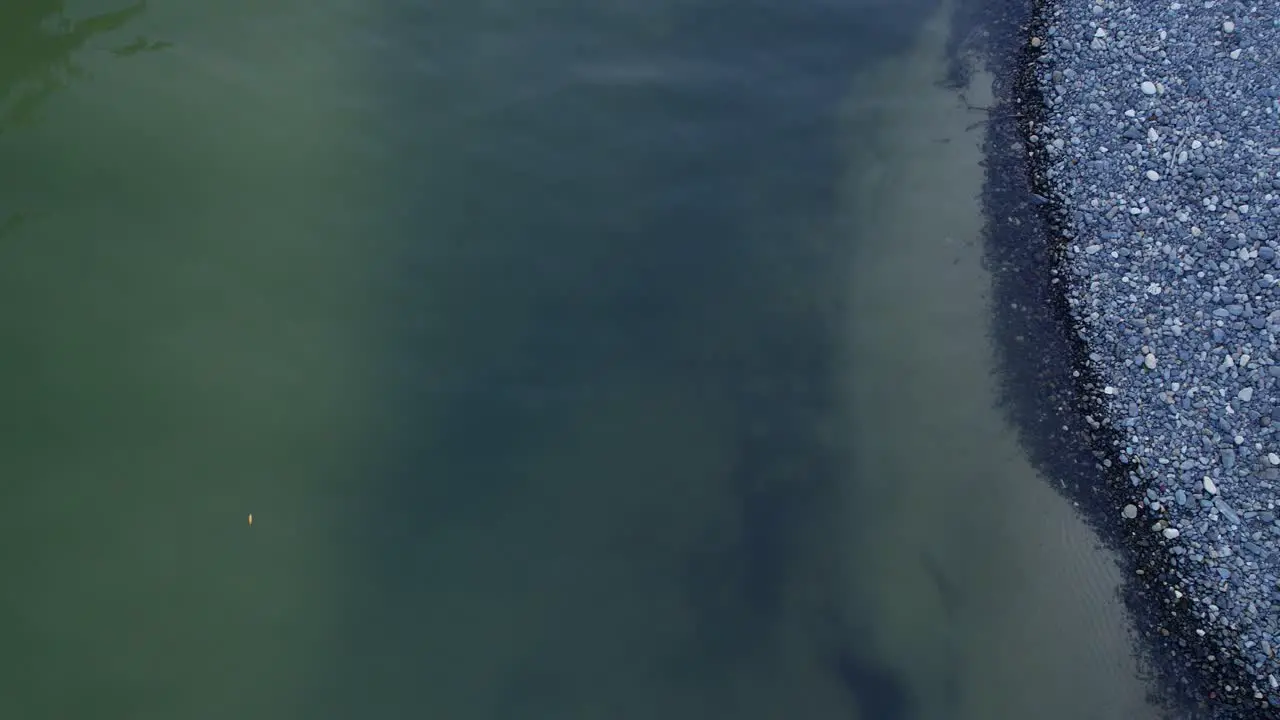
{"x":1161,"y":143}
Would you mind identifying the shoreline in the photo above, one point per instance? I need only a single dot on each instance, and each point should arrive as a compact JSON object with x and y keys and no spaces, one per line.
{"x":1053,"y":391}
{"x":920,"y":329}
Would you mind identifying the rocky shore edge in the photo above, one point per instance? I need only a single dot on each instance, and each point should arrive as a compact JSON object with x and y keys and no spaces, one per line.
{"x":1077,"y":324}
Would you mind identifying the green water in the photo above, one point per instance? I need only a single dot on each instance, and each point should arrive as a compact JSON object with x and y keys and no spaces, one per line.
{"x":556,"y":350}
{"x":186,"y":315}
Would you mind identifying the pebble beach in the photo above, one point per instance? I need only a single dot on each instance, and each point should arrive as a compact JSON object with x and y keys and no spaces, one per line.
{"x":1160,"y":140}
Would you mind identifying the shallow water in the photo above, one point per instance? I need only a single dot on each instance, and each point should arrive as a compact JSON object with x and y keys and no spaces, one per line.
{"x":578,"y":360}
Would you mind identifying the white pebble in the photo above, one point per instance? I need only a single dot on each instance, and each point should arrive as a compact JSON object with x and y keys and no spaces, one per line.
{"x":1228,"y":27}
{"x":1273,"y":458}
{"x":1150,"y":361}
{"x":1131,"y":511}
{"x":1152,"y":175}
{"x":1170,"y":533}
{"x":1148,"y":87}
{"x":1245,"y":394}
{"x":1235,"y":54}
{"x":1209,"y":487}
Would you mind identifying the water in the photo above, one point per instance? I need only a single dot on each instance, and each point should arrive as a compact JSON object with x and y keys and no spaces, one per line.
{"x":574,"y":360}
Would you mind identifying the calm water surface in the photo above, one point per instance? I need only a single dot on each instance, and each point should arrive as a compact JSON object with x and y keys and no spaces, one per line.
{"x":574,"y":359}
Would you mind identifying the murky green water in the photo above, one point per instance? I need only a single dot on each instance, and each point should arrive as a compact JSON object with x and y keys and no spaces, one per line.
{"x":573,"y":359}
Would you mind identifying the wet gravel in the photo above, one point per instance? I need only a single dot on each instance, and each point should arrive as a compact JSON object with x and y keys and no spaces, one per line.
{"x":1161,"y":143}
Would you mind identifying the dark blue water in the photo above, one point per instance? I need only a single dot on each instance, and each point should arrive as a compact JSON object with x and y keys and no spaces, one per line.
{"x":608,"y":251}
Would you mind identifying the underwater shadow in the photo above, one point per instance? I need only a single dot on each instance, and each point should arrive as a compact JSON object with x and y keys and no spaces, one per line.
{"x":37,"y":41}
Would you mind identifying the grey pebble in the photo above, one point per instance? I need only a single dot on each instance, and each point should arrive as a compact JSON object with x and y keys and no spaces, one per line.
{"x":1226,"y":510}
